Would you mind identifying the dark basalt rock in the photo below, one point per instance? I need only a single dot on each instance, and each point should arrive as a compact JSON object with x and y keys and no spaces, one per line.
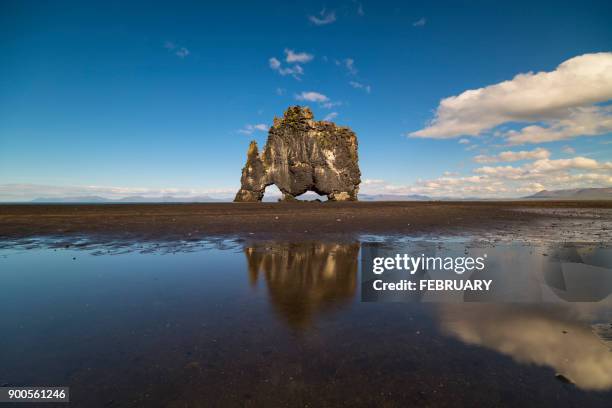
{"x":303,"y":155}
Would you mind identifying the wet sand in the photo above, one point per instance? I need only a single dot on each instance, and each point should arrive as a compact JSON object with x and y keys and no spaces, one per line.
{"x":593,"y":219}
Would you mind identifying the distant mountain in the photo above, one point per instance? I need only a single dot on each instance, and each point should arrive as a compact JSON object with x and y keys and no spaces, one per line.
{"x":126,"y":200}
{"x":571,"y":194}
{"x":83,"y":199}
{"x":207,"y":199}
{"x":171,"y":199}
{"x":574,"y":194}
{"x":270,"y":198}
{"x":393,"y":197}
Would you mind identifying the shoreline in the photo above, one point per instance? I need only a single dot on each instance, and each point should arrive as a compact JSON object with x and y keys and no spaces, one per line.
{"x":578,"y":220}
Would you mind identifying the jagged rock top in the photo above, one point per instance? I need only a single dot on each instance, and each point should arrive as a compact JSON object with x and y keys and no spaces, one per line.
{"x":298,"y":115}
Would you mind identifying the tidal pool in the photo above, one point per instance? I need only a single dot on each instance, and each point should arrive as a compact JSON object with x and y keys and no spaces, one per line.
{"x":269,"y":323}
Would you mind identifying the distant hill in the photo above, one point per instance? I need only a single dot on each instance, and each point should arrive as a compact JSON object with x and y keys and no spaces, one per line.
{"x":83,"y":199}
{"x":570,"y":194}
{"x":171,"y":199}
{"x":207,"y":199}
{"x":574,"y":194}
{"x":126,"y":200}
{"x":393,"y":197}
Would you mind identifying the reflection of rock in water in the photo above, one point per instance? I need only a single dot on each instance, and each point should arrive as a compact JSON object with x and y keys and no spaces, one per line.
{"x":304,"y":279}
{"x":556,"y":336}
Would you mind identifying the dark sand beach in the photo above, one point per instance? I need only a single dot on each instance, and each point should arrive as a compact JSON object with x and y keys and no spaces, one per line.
{"x":511,"y":219}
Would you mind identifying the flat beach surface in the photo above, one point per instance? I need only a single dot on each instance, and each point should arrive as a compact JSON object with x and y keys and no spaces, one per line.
{"x":510,"y":219}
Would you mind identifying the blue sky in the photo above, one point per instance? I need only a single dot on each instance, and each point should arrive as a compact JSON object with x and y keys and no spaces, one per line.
{"x":117,"y":99}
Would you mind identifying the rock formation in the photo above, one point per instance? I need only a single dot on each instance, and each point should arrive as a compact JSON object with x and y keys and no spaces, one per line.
{"x":303,"y":155}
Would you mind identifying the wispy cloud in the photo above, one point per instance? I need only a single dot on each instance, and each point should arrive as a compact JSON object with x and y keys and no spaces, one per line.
{"x":359,"y":85}
{"x":568,"y":150}
{"x":331,"y":104}
{"x":507,"y":180}
{"x":312,"y":97}
{"x":464,"y":141}
{"x":293,"y":57}
{"x":511,"y":156}
{"x":331,"y":116}
{"x":180,"y":52}
{"x":349,"y":64}
{"x":579,"y":121}
{"x":316,"y":97}
{"x":296,"y":71}
{"x":560,"y":104}
{"x":420,"y":22}
{"x":360,"y":11}
{"x":250,"y":129}
{"x":324,"y":17}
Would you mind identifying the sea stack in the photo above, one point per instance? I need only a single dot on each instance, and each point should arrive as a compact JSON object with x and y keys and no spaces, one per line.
{"x":303,"y":155}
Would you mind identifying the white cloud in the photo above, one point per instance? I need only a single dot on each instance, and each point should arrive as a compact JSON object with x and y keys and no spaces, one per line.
{"x":568,"y":150}
{"x":274,"y":63}
{"x":312,"y":97}
{"x":323,"y":18}
{"x":501,"y":171}
{"x":584,"y":121}
{"x":295,"y":71}
{"x":464,"y":141}
{"x":250,"y":129}
{"x":292,"y":57}
{"x":180,"y":52}
{"x":317,"y":97}
{"x":562,"y":99}
{"x":349,"y":64}
{"x":546,"y":165}
{"x":359,"y":85}
{"x":331,"y":116}
{"x":280,"y":91}
{"x":507,"y":181}
{"x":369,"y":182}
{"x":330,"y":104}
{"x":420,"y":22}
{"x":510,"y":156}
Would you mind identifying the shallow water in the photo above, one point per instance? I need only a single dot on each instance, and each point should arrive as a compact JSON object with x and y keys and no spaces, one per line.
{"x":234,"y":323}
